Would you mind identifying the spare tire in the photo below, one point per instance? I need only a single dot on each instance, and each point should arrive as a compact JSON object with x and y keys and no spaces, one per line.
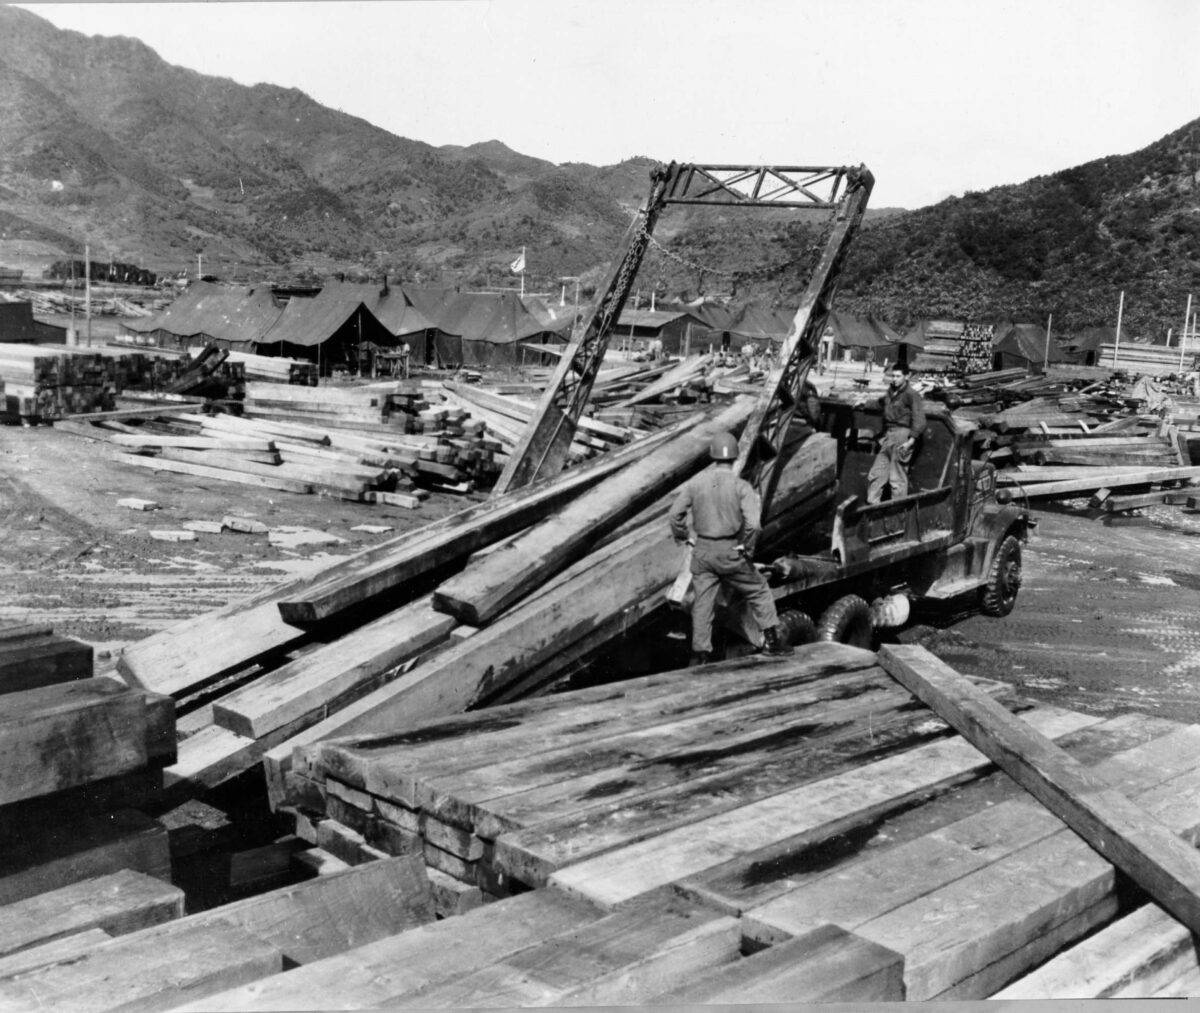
{"x":848,"y":621}
{"x":796,"y":628}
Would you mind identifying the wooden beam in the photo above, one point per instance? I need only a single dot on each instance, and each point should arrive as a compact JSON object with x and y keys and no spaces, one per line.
{"x":117,"y":903}
{"x":220,"y":474}
{"x":491,"y":584}
{"x":1151,"y":854}
{"x":138,"y":973}
{"x":1111,"y":480}
{"x":34,"y":661}
{"x":418,"y":552}
{"x":68,"y":734}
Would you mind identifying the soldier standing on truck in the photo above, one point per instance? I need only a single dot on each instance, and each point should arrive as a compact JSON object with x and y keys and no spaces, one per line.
{"x":903,"y":424}
{"x":725,"y":516}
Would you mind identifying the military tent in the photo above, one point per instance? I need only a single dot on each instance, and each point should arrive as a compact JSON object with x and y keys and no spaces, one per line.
{"x":491,"y":328}
{"x":328,"y":328}
{"x":232,"y":317}
{"x":1022,"y":345}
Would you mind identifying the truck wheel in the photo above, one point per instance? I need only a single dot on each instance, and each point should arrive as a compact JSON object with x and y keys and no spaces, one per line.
{"x":847,"y":621}
{"x":998,"y":596}
{"x":796,"y":627}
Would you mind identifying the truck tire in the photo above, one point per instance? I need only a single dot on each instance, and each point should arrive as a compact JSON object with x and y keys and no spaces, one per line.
{"x":847,"y":621}
{"x":796,"y":628}
{"x":998,"y":596}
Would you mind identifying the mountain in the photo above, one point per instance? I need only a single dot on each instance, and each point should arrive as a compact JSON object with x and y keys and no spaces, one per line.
{"x":100,"y":139}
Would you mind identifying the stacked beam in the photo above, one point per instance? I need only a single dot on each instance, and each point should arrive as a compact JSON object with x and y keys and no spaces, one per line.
{"x":40,"y":383}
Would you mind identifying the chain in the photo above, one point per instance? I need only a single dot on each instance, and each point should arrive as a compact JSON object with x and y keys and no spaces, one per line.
{"x":691,"y":264}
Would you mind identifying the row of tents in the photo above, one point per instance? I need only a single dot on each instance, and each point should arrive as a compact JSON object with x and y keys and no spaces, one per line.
{"x":440,"y":327}
{"x":448,"y":328}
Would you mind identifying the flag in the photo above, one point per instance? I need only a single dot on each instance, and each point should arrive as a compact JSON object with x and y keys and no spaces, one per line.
{"x":518,"y":265}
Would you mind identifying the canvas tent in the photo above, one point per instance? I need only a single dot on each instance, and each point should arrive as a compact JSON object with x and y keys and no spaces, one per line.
{"x":1083,"y":347}
{"x":862,"y":336}
{"x":395,"y":311}
{"x":232,"y":317}
{"x":485,"y":328}
{"x":1021,"y":345}
{"x":328,"y":329}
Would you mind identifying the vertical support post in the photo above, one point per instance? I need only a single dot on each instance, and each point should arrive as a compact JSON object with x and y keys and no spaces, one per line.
{"x":87,"y":288}
{"x":1117,"y":343}
{"x":1183,"y":334}
{"x":1046,"y":354}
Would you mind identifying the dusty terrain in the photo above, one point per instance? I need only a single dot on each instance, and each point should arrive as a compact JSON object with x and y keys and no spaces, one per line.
{"x":72,"y":557}
{"x":1106,"y":620}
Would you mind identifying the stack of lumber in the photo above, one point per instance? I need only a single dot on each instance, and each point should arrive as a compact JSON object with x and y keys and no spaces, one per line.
{"x":1152,"y":360}
{"x":124,"y":945}
{"x":758,"y":831}
{"x":46,"y":383}
{"x":333,"y":662}
{"x":82,"y":757}
{"x":273,"y":368}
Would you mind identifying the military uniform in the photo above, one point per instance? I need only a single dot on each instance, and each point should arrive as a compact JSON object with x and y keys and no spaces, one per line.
{"x":725,"y":513}
{"x":903,"y":419}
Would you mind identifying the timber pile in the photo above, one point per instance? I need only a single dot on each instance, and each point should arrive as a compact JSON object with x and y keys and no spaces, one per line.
{"x":43,"y":383}
{"x":363,"y":645}
{"x":82,"y":759}
{"x":273,"y":368}
{"x":781,"y":830}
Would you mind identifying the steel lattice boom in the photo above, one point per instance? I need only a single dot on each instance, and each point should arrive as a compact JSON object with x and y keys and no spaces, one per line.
{"x":542,"y":451}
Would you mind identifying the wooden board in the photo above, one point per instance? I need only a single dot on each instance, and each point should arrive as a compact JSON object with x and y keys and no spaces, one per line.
{"x":784,"y":821}
{"x":1151,"y":854}
{"x":50,"y":857}
{"x":117,"y":903}
{"x":615,"y":960}
{"x":453,"y":538}
{"x":327,"y":915}
{"x":826,"y":745}
{"x":322,"y":676}
{"x":66,"y":948}
{"x":31,"y":661}
{"x":104,"y":723}
{"x":217,"y":474}
{"x":491,"y":584}
{"x":874,"y":885}
{"x":144,"y":973}
{"x":827,"y":964}
{"x":1132,"y":958}
{"x":375,"y":974}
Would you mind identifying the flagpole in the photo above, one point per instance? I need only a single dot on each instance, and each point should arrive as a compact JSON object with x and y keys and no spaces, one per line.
{"x":522,"y":271}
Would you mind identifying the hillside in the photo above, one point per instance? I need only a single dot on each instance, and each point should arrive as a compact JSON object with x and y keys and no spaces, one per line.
{"x":102,"y":139}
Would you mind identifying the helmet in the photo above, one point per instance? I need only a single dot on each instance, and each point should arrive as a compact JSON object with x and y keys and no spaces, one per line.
{"x":723,"y":448}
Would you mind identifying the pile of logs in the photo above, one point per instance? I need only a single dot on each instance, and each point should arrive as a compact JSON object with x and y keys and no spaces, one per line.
{"x":44,"y":383}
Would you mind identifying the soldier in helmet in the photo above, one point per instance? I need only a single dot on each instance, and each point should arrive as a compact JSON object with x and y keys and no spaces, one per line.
{"x":725,"y":513}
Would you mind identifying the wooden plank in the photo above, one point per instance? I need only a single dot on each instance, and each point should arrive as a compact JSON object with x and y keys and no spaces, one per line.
{"x":781,"y":823}
{"x":1151,"y":854}
{"x":388,"y":764}
{"x":49,"y":857}
{"x":573,"y":826}
{"x":826,"y":964}
{"x":104,"y":723}
{"x":874,"y":885}
{"x":30,"y":662}
{"x":1134,"y":957}
{"x":464,"y":675}
{"x":377,"y":973}
{"x":455,"y":537}
{"x":308,"y":684}
{"x":117,"y":903}
{"x":219,"y":474}
{"x":1140,"y":477}
{"x":332,"y":914}
{"x":66,"y":948}
{"x":617,"y":959}
{"x":141,"y":973}
{"x":232,"y":444}
{"x":489,"y":585}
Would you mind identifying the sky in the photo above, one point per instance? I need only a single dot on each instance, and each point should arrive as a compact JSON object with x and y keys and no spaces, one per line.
{"x":936,"y":97}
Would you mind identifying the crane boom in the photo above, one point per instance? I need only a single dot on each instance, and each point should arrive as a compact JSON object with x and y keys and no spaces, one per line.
{"x":542,"y":451}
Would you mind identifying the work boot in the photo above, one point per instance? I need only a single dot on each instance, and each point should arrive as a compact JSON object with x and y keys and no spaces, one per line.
{"x":775,"y":645}
{"x":700,"y":658}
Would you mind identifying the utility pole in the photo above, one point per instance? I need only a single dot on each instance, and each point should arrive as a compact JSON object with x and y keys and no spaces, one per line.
{"x":1117,"y":343}
{"x":87,"y":282}
{"x":1187,"y":314}
{"x":199,"y":266}
{"x":1046,"y":355}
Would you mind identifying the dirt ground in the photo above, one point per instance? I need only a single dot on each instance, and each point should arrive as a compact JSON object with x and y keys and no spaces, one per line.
{"x":1107,"y":619}
{"x":72,"y":557}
